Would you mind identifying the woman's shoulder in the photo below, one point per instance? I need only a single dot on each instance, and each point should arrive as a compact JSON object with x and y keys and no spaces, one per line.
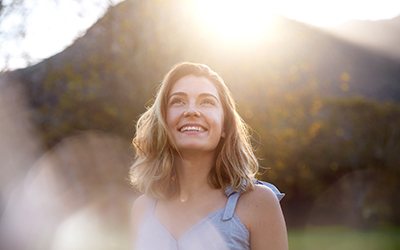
{"x":260,"y":211}
{"x":259,"y":196}
{"x":141,"y":204}
{"x":260,"y":203}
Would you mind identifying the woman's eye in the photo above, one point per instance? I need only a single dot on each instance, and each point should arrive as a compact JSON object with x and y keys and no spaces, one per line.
{"x":176,"y":101}
{"x":208,"y":102}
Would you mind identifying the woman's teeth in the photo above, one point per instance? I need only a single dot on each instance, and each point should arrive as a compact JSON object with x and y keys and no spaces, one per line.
{"x":191,"y":128}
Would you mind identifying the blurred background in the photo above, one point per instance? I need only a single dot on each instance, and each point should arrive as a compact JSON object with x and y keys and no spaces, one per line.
{"x":318,"y":83}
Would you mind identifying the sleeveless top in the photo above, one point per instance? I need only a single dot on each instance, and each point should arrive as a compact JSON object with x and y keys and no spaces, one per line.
{"x":219,"y":230}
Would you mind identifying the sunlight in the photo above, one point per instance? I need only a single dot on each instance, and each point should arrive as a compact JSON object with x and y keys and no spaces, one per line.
{"x":236,"y":21}
{"x":318,"y":13}
{"x":332,"y":13}
{"x":49,"y":27}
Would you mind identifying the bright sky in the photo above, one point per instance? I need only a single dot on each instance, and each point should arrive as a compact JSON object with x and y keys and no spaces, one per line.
{"x":53,"y":25}
{"x":328,"y":13}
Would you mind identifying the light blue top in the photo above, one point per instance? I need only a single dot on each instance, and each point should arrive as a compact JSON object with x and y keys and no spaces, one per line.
{"x":219,"y":230}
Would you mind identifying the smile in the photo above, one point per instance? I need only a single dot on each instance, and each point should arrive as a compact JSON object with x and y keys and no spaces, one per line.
{"x":189,"y":128}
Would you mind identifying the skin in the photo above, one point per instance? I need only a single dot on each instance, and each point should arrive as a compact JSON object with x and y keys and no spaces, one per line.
{"x":195,"y":102}
{"x":260,"y":211}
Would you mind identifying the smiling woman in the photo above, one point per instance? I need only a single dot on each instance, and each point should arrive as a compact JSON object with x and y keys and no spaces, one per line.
{"x":194,"y":161}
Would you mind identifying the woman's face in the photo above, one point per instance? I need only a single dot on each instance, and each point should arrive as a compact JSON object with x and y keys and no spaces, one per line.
{"x":195,"y":116}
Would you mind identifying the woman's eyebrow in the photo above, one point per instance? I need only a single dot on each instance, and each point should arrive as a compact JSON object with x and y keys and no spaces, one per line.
{"x":177,"y":93}
{"x":209,"y":95}
{"x":200,"y":95}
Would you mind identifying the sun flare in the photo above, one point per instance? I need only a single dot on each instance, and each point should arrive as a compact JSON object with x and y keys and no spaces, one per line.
{"x":236,"y":21}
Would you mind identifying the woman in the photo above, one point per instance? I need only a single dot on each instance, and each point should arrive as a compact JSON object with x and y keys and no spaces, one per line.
{"x":194,"y":162}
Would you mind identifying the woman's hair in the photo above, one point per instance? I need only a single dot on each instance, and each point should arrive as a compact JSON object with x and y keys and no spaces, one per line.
{"x":153,"y":171}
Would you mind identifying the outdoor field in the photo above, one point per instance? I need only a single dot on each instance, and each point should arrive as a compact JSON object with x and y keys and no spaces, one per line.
{"x":335,"y":238}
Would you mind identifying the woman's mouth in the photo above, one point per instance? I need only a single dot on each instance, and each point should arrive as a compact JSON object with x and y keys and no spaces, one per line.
{"x":192,"y":128}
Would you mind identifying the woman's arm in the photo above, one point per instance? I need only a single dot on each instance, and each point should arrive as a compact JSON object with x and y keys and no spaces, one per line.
{"x":263,"y":217}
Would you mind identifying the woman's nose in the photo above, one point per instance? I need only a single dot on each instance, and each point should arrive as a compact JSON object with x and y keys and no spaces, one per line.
{"x":191,"y":111}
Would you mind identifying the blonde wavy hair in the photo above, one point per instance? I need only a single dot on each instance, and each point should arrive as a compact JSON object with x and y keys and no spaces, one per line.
{"x":153,"y":171}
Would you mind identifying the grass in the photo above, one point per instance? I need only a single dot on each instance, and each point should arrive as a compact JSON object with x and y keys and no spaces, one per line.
{"x":335,"y":238}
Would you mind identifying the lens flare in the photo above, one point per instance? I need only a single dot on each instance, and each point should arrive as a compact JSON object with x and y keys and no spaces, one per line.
{"x":236,"y":22}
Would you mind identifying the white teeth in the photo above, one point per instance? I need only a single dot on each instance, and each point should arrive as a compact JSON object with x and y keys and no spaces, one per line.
{"x":192,"y":128}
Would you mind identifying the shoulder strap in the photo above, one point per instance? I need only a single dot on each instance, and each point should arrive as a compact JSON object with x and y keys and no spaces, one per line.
{"x":233,"y":197}
{"x":230,"y":206}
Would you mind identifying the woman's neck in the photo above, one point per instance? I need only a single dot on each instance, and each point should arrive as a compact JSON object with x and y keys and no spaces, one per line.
{"x":193,"y":171}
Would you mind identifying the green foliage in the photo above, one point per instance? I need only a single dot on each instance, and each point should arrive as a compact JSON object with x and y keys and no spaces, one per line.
{"x":343,"y":239}
{"x":310,"y":143}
